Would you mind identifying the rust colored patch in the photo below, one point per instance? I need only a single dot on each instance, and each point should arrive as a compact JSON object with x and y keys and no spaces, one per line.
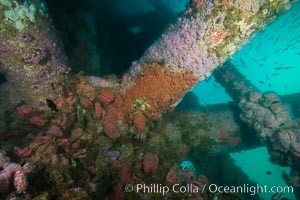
{"x":37,"y":120}
{"x":197,"y":4}
{"x":84,"y":89}
{"x":111,"y":130}
{"x":106,"y":96}
{"x":217,"y":35}
{"x":123,"y":140}
{"x":159,"y":88}
{"x":139,"y":121}
{"x":150,"y":163}
{"x":100,"y":112}
{"x":85,"y":102}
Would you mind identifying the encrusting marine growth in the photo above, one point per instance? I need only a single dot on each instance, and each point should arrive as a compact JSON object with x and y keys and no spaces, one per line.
{"x":85,"y":136}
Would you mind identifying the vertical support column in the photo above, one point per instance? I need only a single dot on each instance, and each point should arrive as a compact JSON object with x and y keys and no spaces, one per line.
{"x":31,"y":56}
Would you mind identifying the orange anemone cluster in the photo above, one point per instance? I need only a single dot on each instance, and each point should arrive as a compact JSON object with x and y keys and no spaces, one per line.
{"x":157,"y":89}
{"x":217,"y":35}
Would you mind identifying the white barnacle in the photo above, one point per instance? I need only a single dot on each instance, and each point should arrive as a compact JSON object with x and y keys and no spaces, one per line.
{"x":265,"y":11}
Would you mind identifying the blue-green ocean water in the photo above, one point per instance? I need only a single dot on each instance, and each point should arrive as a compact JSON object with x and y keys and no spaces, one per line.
{"x":273,"y":56}
{"x":255,"y":163}
{"x":271,"y":60}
